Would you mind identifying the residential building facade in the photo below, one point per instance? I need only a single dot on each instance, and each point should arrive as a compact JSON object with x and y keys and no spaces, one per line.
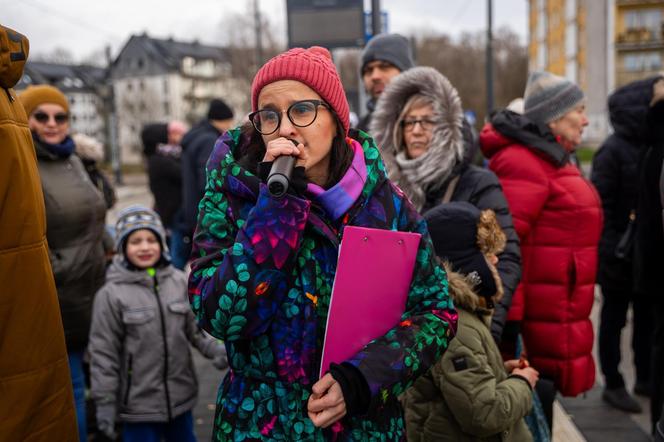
{"x":84,"y":87}
{"x":573,"y":38}
{"x":601,"y":45}
{"x":159,"y":80}
{"x":639,"y":39}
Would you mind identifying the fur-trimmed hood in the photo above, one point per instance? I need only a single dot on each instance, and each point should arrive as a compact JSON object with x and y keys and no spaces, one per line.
{"x":462,"y":293}
{"x":88,"y":148}
{"x":447,"y":145}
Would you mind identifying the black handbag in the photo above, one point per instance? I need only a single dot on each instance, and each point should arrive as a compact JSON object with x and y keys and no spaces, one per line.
{"x":625,"y":246}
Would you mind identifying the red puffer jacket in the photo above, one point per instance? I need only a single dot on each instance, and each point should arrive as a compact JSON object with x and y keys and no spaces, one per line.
{"x":558,"y":217}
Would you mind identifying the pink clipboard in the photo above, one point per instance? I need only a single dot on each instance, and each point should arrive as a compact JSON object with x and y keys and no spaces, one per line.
{"x":370,"y":289}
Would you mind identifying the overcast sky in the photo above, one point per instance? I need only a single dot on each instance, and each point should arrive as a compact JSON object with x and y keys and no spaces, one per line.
{"x":84,"y":26}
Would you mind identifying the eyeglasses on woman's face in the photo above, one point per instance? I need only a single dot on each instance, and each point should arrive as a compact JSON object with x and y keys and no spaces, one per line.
{"x":43,"y":117}
{"x":301,"y":114}
{"x":425,"y":123}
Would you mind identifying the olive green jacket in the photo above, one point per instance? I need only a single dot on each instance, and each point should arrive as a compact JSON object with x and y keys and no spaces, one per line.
{"x":467,"y":395}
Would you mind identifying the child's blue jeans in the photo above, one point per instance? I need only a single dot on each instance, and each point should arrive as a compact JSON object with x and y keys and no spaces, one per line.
{"x":180,"y":429}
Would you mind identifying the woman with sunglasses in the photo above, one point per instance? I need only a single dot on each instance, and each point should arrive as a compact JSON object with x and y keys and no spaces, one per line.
{"x":263,"y":267}
{"x":419,"y":125}
{"x":75,"y":214}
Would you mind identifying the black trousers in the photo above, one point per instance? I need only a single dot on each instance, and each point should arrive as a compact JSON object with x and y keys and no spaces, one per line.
{"x":612,"y":321}
{"x":657,"y":394}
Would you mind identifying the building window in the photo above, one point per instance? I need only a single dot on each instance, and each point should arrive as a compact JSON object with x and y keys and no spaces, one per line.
{"x":167,"y":108}
{"x":165,"y":85}
{"x":645,"y":61}
{"x":650,"y":19}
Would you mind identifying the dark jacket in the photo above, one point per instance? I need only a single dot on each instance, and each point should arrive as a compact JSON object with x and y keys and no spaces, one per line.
{"x":477,"y":186}
{"x":614,"y":174}
{"x":261,"y":280}
{"x":140,"y":358}
{"x":197,"y":144}
{"x":558,"y":217}
{"x":467,"y":395}
{"x":165,"y":178}
{"x":164,"y":173}
{"x":37,"y":403}
{"x":75,"y":218}
{"x":649,"y":241}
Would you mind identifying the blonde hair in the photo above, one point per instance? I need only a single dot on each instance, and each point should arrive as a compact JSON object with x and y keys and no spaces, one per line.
{"x":414,"y":102}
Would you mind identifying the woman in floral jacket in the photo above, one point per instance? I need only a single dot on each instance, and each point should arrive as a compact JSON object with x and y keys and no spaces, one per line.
{"x":264,"y":266}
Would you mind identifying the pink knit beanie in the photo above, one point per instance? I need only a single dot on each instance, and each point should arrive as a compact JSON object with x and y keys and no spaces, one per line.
{"x":313,"y":67}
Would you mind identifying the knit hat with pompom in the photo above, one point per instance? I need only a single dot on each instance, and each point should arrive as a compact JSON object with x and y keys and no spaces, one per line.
{"x":313,"y":67}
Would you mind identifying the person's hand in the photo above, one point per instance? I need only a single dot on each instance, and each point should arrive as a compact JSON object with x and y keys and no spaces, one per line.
{"x":220,"y":360}
{"x":326,"y":404}
{"x":528,"y":373}
{"x":511,"y":365}
{"x":106,"y":420}
{"x":283,"y":146}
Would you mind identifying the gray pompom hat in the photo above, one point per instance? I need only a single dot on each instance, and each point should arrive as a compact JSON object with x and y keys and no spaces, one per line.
{"x":138,"y":217}
{"x":549,"y":97}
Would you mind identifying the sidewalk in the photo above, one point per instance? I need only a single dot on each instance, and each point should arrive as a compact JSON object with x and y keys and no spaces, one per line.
{"x":597,"y":421}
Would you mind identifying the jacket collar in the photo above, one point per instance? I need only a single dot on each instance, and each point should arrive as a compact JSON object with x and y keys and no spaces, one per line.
{"x":536,"y":137}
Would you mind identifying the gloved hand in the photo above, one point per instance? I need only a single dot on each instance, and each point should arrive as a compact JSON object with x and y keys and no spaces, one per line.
{"x":106,"y":419}
{"x":220,"y":360}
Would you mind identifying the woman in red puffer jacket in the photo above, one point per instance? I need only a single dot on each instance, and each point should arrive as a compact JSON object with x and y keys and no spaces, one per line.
{"x":558,"y":217}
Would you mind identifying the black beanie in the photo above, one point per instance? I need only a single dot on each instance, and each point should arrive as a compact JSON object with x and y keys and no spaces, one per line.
{"x":392,"y":48}
{"x":453,"y":230}
{"x":219,"y":110}
{"x":152,"y":135}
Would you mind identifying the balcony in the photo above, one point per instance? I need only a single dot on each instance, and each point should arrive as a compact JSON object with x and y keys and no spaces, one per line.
{"x":640,"y":39}
{"x":637,"y":2}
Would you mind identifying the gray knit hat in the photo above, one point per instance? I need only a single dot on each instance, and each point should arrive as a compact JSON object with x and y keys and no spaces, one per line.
{"x":393,"y":48}
{"x":549,"y":97}
{"x":138,"y":217}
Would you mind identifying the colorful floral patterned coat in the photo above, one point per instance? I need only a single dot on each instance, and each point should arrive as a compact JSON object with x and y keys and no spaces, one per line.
{"x":261,"y":281}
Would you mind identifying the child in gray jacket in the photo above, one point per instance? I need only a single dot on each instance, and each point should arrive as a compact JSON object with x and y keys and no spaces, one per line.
{"x":141,"y":367}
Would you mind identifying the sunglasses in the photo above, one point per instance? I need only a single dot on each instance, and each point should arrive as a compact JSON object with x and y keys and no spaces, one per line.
{"x":43,"y":117}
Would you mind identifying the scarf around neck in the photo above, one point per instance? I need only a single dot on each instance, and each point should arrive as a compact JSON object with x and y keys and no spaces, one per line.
{"x":61,"y":150}
{"x":339,"y":198}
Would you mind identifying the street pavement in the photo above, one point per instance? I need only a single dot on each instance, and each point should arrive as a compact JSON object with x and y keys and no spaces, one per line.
{"x":585,"y":418}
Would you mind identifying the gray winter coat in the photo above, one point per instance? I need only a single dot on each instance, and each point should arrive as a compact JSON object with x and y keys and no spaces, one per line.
{"x":139,"y":344}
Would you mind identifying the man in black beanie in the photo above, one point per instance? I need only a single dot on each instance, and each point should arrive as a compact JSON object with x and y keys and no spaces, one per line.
{"x":197,"y":144}
{"x":384,"y":57}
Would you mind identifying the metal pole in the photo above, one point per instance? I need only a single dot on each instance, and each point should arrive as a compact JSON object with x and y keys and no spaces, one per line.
{"x":259,"y":40}
{"x":375,"y":17}
{"x":489,"y":59}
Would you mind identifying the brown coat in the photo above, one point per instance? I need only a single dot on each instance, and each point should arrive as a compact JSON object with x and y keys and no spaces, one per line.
{"x":37,"y":402}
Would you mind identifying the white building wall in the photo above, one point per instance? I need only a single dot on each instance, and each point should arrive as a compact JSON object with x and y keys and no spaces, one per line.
{"x":86,"y":117}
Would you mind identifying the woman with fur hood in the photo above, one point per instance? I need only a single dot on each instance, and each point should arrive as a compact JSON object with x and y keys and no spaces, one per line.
{"x":470,"y":394}
{"x":418,"y":122}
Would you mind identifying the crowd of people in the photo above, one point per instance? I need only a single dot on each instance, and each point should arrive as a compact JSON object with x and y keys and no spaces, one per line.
{"x":513,"y":240}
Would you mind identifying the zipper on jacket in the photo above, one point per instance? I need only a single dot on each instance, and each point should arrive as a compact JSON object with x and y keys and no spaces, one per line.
{"x":151,"y":271}
{"x":129,"y":362}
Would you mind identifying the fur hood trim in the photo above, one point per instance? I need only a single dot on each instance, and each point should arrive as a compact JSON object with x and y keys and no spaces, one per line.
{"x":462,"y":293}
{"x":88,"y":148}
{"x":447,"y":145}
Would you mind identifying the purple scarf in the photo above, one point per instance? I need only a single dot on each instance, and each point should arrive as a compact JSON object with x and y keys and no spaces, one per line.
{"x":339,"y":198}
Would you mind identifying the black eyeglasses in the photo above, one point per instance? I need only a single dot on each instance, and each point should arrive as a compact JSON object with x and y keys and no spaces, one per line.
{"x":43,"y":117}
{"x":301,"y":114}
{"x":409,"y":125}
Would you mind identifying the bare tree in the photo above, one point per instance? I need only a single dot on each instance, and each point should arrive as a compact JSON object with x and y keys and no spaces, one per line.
{"x":463,"y":63}
{"x":238,"y":30}
{"x":57,"y":55}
